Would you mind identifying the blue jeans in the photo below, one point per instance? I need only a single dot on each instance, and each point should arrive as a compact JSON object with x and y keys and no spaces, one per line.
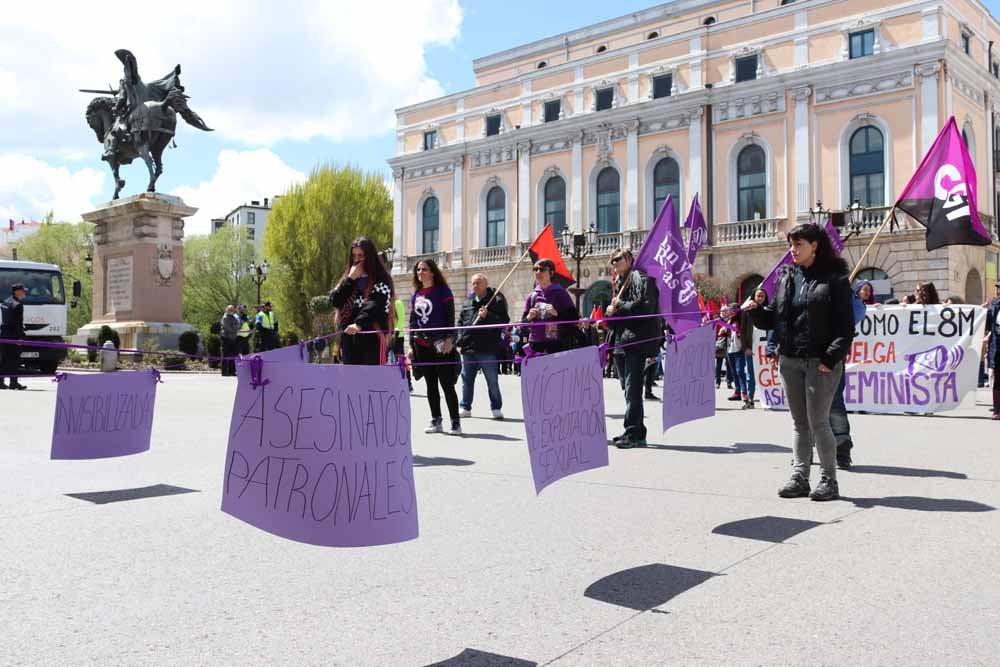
{"x":472,"y":363}
{"x":743,"y":369}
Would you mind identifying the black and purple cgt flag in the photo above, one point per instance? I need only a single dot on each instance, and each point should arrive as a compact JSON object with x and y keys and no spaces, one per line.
{"x":941,"y":195}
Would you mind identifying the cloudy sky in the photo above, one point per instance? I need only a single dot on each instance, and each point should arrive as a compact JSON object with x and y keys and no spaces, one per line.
{"x":286,"y":85}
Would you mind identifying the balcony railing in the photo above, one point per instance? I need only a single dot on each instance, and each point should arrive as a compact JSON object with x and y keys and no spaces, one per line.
{"x":493,"y":255}
{"x":746,"y":232}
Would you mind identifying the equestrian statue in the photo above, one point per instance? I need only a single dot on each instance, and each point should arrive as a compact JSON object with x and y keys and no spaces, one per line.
{"x":139,"y":119}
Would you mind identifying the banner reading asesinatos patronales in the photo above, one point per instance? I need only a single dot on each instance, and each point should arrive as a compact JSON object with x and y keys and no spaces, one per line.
{"x":903,"y":359}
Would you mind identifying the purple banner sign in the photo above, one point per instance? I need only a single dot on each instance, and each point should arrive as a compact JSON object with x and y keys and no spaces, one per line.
{"x":563,"y":398}
{"x":689,"y":378}
{"x":292,"y":354}
{"x":321,"y":454}
{"x":103,"y":415}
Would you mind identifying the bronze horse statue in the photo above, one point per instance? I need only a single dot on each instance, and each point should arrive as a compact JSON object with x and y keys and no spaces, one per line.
{"x":139,"y":120}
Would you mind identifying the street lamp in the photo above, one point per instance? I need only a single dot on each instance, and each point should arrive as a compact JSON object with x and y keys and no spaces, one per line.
{"x":387,"y":256}
{"x":88,"y":260}
{"x":579,"y":246}
{"x":258,"y":274}
{"x":817,"y":214}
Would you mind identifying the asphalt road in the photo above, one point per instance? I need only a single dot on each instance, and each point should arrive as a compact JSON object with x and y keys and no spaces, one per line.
{"x":679,"y":554}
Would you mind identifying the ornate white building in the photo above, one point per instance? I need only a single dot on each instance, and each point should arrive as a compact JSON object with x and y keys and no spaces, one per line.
{"x":761,"y":108}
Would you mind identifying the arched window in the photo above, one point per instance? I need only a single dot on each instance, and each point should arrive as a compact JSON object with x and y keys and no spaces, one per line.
{"x":973,"y":287}
{"x":867,"y":163}
{"x":608,"y":201}
{"x":602,"y":48}
{"x":881,"y":285}
{"x":666,"y":181}
{"x":598,"y":294}
{"x":431,"y":223}
{"x":653,"y":35}
{"x":541,"y":65}
{"x":748,"y":286}
{"x":555,"y":204}
{"x":751,"y":183}
{"x":496,"y":216}
{"x":709,"y":21}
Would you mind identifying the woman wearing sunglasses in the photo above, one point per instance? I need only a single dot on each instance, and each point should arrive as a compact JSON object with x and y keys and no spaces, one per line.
{"x":550,"y":302}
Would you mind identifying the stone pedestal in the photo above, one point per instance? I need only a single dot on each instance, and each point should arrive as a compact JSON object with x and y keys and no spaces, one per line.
{"x":139,"y":270}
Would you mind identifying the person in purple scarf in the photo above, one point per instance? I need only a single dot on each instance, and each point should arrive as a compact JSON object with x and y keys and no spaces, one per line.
{"x":549,"y":301}
{"x":432,"y":307}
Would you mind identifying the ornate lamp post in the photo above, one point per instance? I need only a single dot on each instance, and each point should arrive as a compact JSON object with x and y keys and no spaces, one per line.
{"x":387,"y":256}
{"x":817,"y":214}
{"x":258,"y":274}
{"x":579,"y":246}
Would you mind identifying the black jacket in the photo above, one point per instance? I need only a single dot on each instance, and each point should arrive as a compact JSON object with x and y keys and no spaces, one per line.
{"x":641,"y":297}
{"x":371,"y":312}
{"x":12,"y":314}
{"x":472,"y":339}
{"x":824,"y":328}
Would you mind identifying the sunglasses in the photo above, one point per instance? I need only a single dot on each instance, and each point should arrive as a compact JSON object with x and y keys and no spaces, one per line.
{"x":536,"y":269}
{"x":615,"y":260}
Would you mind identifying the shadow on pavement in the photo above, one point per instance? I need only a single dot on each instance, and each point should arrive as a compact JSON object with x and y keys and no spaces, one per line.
{"x":427,"y":461}
{"x":121,"y":495}
{"x":492,"y":436}
{"x":738,"y":448}
{"x":647,"y":586}
{"x":765,"y":528}
{"x":473,"y":658}
{"x":921,"y":504}
{"x":907,"y":472}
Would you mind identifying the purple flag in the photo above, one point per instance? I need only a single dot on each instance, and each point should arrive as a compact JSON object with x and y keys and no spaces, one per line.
{"x":689,"y":378}
{"x":103,"y":415}
{"x":290,"y":354}
{"x":664,"y":258}
{"x":941,"y":194}
{"x":697,"y":230}
{"x":563,"y":399}
{"x":771,"y":280}
{"x":321,"y":454}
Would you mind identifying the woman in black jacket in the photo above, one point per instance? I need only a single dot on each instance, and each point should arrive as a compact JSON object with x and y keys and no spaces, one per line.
{"x":364,"y":298}
{"x":813,"y":322}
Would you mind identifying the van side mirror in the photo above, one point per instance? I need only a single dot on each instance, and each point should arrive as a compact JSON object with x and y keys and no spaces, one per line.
{"x":77,"y":289}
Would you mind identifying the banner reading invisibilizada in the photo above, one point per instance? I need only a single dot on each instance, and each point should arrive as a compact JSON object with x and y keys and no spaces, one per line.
{"x":321,"y":454}
{"x":903,"y":359}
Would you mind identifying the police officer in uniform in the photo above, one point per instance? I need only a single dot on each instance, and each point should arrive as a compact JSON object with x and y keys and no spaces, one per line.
{"x":243,"y":337}
{"x":12,"y":327}
{"x":267,"y":329}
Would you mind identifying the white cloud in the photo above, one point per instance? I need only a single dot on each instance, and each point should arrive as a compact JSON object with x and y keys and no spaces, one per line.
{"x":30,"y":187}
{"x":258,"y":71}
{"x":240,"y":177}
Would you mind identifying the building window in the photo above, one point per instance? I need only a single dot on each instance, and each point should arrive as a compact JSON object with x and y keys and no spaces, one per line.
{"x":251,"y":233}
{"x":602,"y":48}
{"x":541,"y":65}
{"x":552,"y":110}
{"x":709,"y":21}
{"x":492,"y":125}
{"x":653,"y":35}
{"x":608,"y":201}
{"x":430,"y":140}
{"x":862,"y":43}
{"x":430,"y":225}
{"x":995,"y":68}
{"x":666,"y":181}
{"x":496,"y":216}
{"x":662,"y":85}
{"x":605,"y":99}
{"x":751,"y":184}
{"x":787,"y":2}
{"x":555,"y":204}
{"x":746,"y":68}
{"x":967,"y":43}
{"x":867,"y":163}
{"x":251,"y":217}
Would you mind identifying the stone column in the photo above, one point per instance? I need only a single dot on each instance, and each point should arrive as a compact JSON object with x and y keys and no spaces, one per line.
{"x":695,"y":151}
{"x":139,"y":269}
{"x":632,"y":175}
{"x":457,"y":213}
{"x":928,"y":75}
{"x":576,"y":185}
{"x":398,"y":231}
{"x":800,"y":96}
{"x":524,"y":191}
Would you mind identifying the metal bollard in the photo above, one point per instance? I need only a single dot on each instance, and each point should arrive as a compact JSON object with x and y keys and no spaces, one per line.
{"x":109,"y":357}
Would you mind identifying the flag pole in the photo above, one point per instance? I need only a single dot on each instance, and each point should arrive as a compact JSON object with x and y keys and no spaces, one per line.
{"x":857,"y":265}
{"x":502,"y":283}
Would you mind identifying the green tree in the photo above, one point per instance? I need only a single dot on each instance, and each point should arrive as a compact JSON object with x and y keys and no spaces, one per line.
{"x":215,"y":275}
{"x":310,"y":230}
{"x":64,"y":244}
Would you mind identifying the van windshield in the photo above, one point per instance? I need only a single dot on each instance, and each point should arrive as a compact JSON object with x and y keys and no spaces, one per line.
{"x":44,"y":287}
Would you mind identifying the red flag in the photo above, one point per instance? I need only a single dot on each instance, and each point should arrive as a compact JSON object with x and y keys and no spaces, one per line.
{"x":701,"y":304}
{"x":545,"y":247}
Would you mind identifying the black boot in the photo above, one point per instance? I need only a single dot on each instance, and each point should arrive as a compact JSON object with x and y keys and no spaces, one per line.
{"x":796,"y":487}
{"x":827,"y":489}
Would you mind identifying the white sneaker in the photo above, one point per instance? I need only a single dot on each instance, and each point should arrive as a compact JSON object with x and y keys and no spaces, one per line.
{"x":435,"y":427}
{"x":497,"y":414}
{"x":465,"y":413}
{"x":456,"y":428}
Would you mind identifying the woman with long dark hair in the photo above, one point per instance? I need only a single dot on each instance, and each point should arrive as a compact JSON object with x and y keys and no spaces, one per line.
{"x":926,"y":294}
{"x":433,"y":307}
{"x":813,"y":321}
{"x":364,"y":298}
